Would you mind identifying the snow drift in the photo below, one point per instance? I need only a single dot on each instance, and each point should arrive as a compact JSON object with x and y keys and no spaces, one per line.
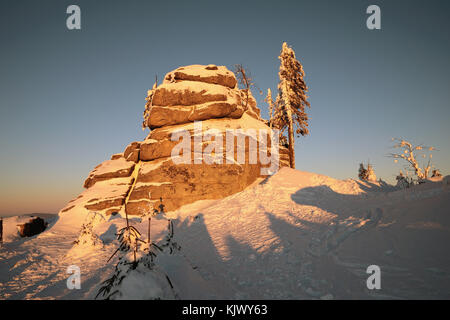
{"x":295,"y":235}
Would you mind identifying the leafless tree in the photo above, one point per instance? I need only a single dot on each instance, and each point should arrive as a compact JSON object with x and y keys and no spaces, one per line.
{"x":245,"y":80}
{"x":410,"y":153}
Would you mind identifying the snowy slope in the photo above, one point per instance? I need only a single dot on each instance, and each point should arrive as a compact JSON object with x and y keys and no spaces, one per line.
{"x":295,"y":235}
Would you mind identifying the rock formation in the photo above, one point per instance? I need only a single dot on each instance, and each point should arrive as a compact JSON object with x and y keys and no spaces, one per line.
{"x":33,"y":227}
{"x":136,"y":179}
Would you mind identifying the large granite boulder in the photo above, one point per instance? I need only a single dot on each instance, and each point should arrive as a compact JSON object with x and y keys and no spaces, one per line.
{"x":199,"y":101}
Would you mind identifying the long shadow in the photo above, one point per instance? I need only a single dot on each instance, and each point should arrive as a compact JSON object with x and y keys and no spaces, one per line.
{"x":342,"y":205}
{"x":372,"y":187}
{"x":352,"y":249}
{"x":8,"y":264}
{"x":243,"y":271}
{"x":196,"y":244}
{"x":109,"y":235}
{"x":316,"y":274}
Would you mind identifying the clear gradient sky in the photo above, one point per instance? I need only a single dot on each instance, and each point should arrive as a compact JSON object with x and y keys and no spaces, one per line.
{"x":70,"y":99}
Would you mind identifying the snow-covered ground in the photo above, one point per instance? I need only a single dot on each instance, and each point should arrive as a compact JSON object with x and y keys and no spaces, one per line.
{"x":295,"y":235}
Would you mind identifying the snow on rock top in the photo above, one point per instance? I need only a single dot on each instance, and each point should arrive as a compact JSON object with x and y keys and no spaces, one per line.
{"x":188,"y":93}
{"x":109,"y":169}
{"x":209,"y":74}
{"x":245,"y":122}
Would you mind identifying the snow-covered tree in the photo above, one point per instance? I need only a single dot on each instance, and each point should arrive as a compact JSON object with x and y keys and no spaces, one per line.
{"x":275,"y":114}
{"x":410,"y":153}
{"x":362,"y":173}
{"x":292,"y":98}
{"x":436,"y":173}
{"x":137,"y":274}
{"x":403,"y":181}
{"x":271,"y":104}
{"x":153,"y":214}
{"x":367,"y":174}
{"x":87,"y":237}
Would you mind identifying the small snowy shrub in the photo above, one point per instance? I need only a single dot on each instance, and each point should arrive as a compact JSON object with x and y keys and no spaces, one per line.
{"x":367,"y":174}
{"x":87,"y":236}
{"x":136,"y":275}
{"x":403,"y":181}
{"x":436,"y":173}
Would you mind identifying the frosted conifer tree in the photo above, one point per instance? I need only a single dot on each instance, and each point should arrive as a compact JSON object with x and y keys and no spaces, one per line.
{"x":137,"y":274}
{"x":362,"y":173}
{"x":87,"y":237}
{"x":292,"y":98}
{"x":371,"y":173}
{"x":367,"y":174}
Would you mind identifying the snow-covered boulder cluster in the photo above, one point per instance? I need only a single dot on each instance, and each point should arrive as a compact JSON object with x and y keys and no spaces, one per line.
{"x":135,"y":180}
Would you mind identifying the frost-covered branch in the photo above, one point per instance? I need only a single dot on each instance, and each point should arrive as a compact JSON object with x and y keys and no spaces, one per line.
{"x":410,"y":153}
{"x":245,"y":80}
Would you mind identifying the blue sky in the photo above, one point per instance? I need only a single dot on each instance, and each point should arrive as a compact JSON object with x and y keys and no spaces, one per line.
{"x":70,"y":99}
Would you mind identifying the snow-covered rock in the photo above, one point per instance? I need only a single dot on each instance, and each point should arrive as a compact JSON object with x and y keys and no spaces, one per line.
{"x":207,"y":94}
{"x":117,"y":168}
{"x":209,"y":74}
